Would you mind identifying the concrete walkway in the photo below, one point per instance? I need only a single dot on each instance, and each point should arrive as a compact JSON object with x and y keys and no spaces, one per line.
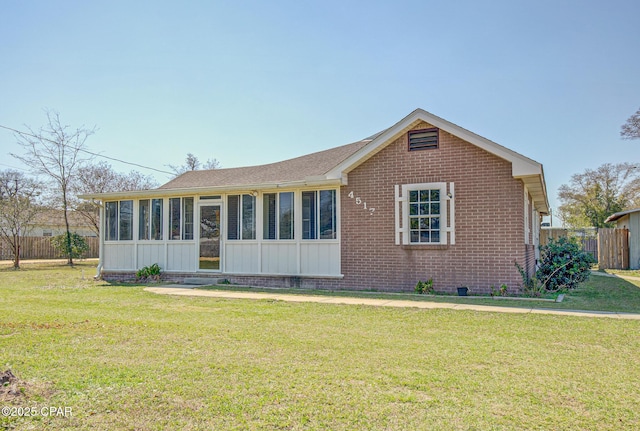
{"x":227,"y":294}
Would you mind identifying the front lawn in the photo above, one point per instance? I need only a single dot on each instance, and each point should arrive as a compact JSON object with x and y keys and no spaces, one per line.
{"x":122,"y":358}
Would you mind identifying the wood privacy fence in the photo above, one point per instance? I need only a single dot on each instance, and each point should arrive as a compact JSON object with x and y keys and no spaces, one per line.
{"x":585,"y":237}
{"x":39,"y":247}
{"x":613,"y":248}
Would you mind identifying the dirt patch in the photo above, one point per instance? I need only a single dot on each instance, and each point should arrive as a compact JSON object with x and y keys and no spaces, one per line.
{"x":9,"y":386}
{"x":14,"y":389}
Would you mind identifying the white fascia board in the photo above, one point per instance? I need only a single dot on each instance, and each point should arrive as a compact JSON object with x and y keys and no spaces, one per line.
{"x":196,"y":191}
{"x":520,"y":165}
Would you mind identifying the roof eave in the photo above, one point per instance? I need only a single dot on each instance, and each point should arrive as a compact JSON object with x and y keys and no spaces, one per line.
{"x":200,"y":191}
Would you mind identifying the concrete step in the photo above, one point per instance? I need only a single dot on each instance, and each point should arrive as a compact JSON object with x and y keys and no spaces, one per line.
{"x":201,"y":281}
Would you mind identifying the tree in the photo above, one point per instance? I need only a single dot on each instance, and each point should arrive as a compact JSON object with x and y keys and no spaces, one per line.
{"x":18,"y":207}
{"x":192,"y":163}
{"x":102,"y":178}
{"x":631,"y":129}
{"x":55,"y":152}
{"x":594,"y":195}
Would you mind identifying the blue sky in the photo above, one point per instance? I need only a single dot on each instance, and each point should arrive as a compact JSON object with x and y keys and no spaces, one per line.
{"x":255,"y":82}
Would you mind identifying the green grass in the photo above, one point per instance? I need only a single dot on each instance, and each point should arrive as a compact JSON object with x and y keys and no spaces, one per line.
{"x":127,"y":359}
{"x":598,"y":294}
{"x":628,"y":272}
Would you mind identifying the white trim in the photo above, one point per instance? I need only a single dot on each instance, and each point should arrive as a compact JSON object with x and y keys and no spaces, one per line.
{"x":452,"y":214}
{"x":401,"y":211}
{"x":527,"y":229}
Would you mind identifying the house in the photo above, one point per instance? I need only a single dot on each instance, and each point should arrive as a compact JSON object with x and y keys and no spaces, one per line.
{"x":50,"y":222}
{"x":422,"y":199}
{"x":630,"y":220}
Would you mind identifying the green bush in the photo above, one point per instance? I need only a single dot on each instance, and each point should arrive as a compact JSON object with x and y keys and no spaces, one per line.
{"x":146,"y":273}
{"x":78,"y":245}
{"x":563,"y":265}
{"x":425,"y":287}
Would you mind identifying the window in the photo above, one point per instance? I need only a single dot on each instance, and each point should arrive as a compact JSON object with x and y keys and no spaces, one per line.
{"x":425,"y":213}
{"x":150,"y":219}
{"x":181,"y":218}
{"x":242,"y":217}
{"x":143,"y":219}
{"x":118,"y":220}
{"x":277,"y":215}
{"x":319,"y":214}
{"x":426,"y":139}
{"x":126,"y":220}
{"x":111,"y":221}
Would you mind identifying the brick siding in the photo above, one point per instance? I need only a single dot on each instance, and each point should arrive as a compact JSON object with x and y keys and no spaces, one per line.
{"x":489,"y":220}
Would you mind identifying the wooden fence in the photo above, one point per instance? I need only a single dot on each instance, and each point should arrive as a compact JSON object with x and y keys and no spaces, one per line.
{"x":585,"y":237}
{"x":39,"y":247}
{"x":613,"y":248}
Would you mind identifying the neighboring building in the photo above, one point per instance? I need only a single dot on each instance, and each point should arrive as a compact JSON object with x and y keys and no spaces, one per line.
{"x":629,"y":220}
{"x":51,"y":223}
{"x":422,"y":199}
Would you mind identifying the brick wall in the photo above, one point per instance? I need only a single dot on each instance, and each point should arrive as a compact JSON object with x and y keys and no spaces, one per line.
{"x":489,"y":220}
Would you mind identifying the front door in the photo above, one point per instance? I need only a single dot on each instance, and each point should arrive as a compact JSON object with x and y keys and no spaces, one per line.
{"x":210,"y":231}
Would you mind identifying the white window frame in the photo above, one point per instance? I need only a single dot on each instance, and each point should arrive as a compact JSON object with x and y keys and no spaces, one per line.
{"x":277,"y":217}
{"x":242,"y":218}
{"x":447,"y":213}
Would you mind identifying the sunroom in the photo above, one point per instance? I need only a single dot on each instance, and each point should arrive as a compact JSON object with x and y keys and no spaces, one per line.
{"x":279,"y":231}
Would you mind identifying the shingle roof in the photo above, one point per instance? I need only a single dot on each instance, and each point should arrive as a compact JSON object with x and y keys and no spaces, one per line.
{"x":297,"y":169}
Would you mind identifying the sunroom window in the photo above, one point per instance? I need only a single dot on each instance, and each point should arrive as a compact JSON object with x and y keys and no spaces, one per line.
{"x":319,"y":214}
{"x":241,"y":221}
{"x":119,"y":220}
{"x":181,"y":218}
{"x":277,"y":215}
{"x":150,"y":219}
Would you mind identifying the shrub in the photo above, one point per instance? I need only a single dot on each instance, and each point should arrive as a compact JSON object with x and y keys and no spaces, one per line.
{"x":563,"y":265}
{"x":424,"y":286}
{"x":78,"y":245}
{"x":152,"y":272}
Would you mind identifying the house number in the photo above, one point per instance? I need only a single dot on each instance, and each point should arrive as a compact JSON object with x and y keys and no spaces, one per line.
{"x":359,"y":201}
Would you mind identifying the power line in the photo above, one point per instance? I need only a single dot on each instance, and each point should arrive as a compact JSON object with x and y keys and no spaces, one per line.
{"x":88,"y":152}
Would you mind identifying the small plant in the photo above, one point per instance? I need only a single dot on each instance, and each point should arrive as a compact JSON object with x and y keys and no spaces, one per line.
{"x":149,"y":273}
{"x":530,"y":284}
{"x":499,"y":291}
{"x":424,"y":287}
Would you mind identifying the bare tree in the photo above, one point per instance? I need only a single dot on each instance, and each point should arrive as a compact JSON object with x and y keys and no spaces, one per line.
{"x":192,"y":163}
{"x":594,"y":195}
{"x":55,"y":150}
{"x":631,"y":129}
{"x":18,"y":208}
{"x":101,"y":178}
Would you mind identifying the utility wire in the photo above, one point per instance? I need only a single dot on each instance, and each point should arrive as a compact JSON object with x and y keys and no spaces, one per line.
{"x":87,"y":151}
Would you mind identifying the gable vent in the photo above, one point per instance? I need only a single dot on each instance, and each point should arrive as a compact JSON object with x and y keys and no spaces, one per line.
{"x":426,"y":139}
